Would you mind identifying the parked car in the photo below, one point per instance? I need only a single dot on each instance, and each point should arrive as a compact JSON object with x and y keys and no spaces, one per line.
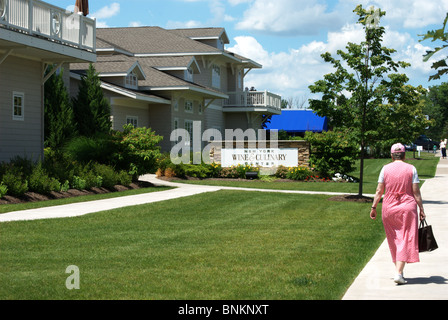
{"x":426,"y":142}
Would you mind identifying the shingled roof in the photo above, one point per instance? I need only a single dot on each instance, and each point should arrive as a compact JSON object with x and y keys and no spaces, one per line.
{"x":150,"y":40}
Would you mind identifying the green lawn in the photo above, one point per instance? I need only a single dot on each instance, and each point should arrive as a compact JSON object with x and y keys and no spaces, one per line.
{"x":221,"y":245}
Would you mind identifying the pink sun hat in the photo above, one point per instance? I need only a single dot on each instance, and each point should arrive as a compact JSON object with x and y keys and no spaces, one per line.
{"x":397,"y":148}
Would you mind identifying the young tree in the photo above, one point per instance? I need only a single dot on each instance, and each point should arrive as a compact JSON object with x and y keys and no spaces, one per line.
{"x":365,"y":89}
{"x":91,"y":108}
{"x":59,"y":125}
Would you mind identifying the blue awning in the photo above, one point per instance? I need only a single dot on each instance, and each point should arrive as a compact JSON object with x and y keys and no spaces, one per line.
{"x":294,"y":121}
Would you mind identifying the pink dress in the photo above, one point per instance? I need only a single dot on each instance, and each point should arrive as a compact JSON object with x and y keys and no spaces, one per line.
{"x":399,"y":213}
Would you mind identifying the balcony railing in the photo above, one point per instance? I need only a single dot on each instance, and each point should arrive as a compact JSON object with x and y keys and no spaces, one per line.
{"x":261,"y":99}
{"x":38,"y":18}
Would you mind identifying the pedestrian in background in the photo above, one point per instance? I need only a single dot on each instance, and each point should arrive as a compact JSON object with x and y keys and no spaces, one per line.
{"x":399,"y":211}
{"x":443,"y":148}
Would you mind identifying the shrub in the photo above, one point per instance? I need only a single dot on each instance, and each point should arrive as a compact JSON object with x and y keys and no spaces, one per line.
{"x":242,"y":169}
{"x":78,"y":183}
{"x":215,"y":170}
{"x":175,"y":170}
{"x":3,"y":190}
{"x":15,"y":182}
{"x":65,"y":186}
{"x":107,"y":173}
{"x":238,"y":171}
{"x":229,"y":172}
{"x":124,"y":178}
{"x":59,"y":165}
{"x":91,"y":179}
{"x":298,"y":173}
{"x":99,"y":148}
{"x":197,"y":171}
{"x":40,"y":182}
{"x":137,"y":150}
{"x":282,"y":172}
{"x":332,"y":152}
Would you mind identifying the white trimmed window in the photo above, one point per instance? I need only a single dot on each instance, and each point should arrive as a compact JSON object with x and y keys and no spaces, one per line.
{"x":18,"y":106}
{"x":188,"y":126}
{"x":132,"y":81}
{"x":189,"y":106}
{"x":216,"y":76}
{"x":200,"y":108}
{"x":176,"y":123}
{"x":132,"y":120}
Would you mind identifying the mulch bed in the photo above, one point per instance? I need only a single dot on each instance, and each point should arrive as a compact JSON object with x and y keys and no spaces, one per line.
{"x":352,"y":198}
{"x":36,"y":197}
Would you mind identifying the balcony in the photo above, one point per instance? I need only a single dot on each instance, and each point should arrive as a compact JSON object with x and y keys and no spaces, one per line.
{"x":255,"y":101}
{"x":43,"y":20}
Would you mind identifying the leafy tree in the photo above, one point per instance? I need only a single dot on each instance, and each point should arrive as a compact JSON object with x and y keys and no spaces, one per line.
{"x":365,"y":93}
{"x":436,"y":106}
{"x":437,"y":35}
{"x":59,"y":118}
{"x":92,"y":110}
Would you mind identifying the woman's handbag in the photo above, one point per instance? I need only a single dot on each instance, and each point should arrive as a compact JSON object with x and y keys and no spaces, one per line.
{"x":426,"y":240}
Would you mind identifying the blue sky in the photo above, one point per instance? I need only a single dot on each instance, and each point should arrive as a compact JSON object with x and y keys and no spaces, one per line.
{"x":286,"y":36}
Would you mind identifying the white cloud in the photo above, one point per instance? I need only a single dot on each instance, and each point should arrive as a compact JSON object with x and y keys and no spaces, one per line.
{"x":183,"y":24}
{"x":290,"y":73}
{"x":135,"y":24}
{"x":216,"y":17}
{"x":407,"y":13}
{"x":107,"y":11}
{"x":289,"y":17}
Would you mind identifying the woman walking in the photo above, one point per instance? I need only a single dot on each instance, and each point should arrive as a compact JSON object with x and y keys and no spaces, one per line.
{"x":399,"y":214}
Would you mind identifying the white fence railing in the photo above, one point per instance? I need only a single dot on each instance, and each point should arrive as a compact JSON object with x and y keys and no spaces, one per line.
{"x":253,"y":99}
{"x":35,"y":17}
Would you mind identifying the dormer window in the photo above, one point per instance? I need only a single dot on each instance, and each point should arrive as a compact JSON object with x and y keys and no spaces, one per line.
{"x":132,"y":81}
{"x":189,"y":74}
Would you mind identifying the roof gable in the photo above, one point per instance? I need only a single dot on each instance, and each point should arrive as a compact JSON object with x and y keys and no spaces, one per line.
{"x":116,"y":68}
{"x":203,"y":33}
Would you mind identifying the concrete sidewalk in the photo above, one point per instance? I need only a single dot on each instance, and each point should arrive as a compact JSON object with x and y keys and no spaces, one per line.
{"x":428,"y":279}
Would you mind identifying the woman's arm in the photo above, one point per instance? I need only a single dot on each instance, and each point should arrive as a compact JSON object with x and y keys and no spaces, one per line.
{"x":418,"y":198}
{"x":376,"y":200}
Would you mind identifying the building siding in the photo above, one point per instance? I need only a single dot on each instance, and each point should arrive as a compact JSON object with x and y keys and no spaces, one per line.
{"x":21,"y":138}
